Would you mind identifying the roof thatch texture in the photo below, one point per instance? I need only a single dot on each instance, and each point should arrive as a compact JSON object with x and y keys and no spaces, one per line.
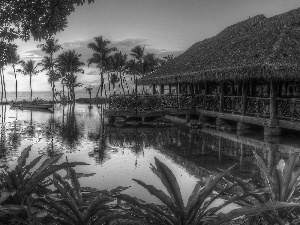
{"x":257,"y":48}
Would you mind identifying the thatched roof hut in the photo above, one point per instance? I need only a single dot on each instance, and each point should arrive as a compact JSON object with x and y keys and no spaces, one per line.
{"x":257,"y":48}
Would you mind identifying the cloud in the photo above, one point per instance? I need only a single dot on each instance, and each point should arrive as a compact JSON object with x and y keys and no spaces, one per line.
{"x":34,"y":54}
{"x":75,"y":44}
{"x":10,"y":72}
{"x":94,"y":72}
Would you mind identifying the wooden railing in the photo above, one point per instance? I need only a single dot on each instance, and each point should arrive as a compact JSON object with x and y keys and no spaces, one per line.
{"x":212,"y":102}
{"x":287,"y":108}
{"x":233,"y":104}
{"x":258,"y":106}
{"x":134,"y":102}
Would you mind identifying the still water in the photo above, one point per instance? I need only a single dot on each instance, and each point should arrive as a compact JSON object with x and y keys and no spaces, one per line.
{"x":116,"y":155}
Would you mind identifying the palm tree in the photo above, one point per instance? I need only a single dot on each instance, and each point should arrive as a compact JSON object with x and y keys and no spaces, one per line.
{"x":48,"y":62}
{"x":69,"y":62}
{"x":29,"y":68}
{"x":113,"y":80}
{"x":167,"y":59}
{"x":141,"y":63}
{"x":119,"y":64}
{"x":15,"y":61}
{"x":10,"y":57}
{"x":100,"y":57}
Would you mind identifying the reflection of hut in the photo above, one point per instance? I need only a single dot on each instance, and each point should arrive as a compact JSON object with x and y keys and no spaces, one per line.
{"x":250,"y":68}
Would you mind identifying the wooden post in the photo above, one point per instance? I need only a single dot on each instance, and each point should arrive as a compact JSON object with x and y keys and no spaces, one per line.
{"x":240,"y":88}
{"x":170,"y":88}
{"x":153,"y":89}
{"x":205,"y":94}
{"x":177,"y":89}
{"x":273,"y":98}
{"x":221,"y":109}
{"x":192,"y":88}
{"x":244,"y":98}
{"x":162,"y":90}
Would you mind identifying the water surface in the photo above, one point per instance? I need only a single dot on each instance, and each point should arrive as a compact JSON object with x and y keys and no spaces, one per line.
{"x":116,"y":155}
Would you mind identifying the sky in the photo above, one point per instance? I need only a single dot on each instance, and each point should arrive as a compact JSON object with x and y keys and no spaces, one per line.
{"x":165,"y":27}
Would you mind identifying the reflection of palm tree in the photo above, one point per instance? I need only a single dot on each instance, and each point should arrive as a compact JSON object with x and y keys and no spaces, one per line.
{"x":70,"y":130}
{"x":30,"y":131}
{"x":15,"y":136}
{"x":3,"y":129}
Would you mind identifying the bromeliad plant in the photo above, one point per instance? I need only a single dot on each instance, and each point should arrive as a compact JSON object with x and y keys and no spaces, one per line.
{"x":74,"y":205}
{"x":17,"y":185}
{"x":175,"y":212}
{"x":275,"y":202}
{"x":200,"y":208}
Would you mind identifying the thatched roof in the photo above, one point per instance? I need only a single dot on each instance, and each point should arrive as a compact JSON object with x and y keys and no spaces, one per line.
{"x":257,"y":48}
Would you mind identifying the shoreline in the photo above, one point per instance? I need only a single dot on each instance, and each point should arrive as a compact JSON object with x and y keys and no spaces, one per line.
{"x":79,"y":100}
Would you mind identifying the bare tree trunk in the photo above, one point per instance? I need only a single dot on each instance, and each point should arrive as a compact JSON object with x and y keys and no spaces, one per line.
{"x":30,"y":87}
{"x":1,"y":84}
{"x":16,"y":82}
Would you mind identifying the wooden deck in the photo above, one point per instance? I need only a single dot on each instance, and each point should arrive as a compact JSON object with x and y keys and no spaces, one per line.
{"x":256,"y":111}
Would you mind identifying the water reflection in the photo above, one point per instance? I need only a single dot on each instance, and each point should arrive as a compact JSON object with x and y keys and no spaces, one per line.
{"x":82,"y":135}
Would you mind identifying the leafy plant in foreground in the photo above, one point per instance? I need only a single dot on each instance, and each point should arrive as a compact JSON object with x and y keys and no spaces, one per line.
{"x":74,"y":205}
{"x":197,"y":209}
{"x":18,"y":184}
{"x":272,"y":203}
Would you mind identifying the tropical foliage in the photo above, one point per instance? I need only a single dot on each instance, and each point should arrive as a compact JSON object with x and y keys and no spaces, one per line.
{"x":17,"y":185}
{"x":26,"y":199}
{"x":68,"y":64}
{"x":19,"y":20}
{"x":30,"y":69}
{"x":100,"y":58}
{"x":50,"y":47}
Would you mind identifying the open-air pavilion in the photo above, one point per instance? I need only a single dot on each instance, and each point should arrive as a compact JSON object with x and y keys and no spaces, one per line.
{"x":248,"y":73}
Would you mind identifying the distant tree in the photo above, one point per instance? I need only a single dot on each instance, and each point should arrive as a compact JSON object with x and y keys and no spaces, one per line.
{"x":114,"y":79}
{"x":141,"y":63}
{"x":68,"y":63}
{"x":100,"y":58}
{"x":8,"y":55}
{"x":119,"y":66}
{"x":168,"y":58}
{"x":38,"y":18}
{"x":29,"y":68}
{"x":14,"y":61}
{"x":50,"y":47}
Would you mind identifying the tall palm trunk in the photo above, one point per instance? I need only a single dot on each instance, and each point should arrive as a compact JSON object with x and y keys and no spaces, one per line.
{"x":1,"y":84}
{"x":4,"y":84}
{"x":63,"y":91}
{"x":16,"y":82}
{"x":121,"y":81}
{"x":30,"y":87}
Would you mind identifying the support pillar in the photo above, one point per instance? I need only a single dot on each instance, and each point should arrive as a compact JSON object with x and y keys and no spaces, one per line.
{"x":188,"y":118}
{"x":220,"y":123}
{"x":170,"y":88}
{"x":205,"y":94}
{"x":244,"y":98}
{"x":222,"y":92}
{"x":203,"y":119}
{"x":111,"y":119}
{"x":153,"y":89}
{"x":272,"y":127}
{"x":162,"y":90}
{"x":243,"y":128}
